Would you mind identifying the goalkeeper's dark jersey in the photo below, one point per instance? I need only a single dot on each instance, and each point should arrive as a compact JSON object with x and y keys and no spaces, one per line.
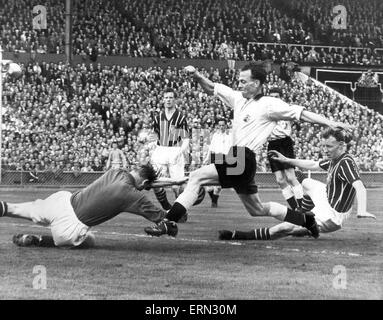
{"x":110,"y":195}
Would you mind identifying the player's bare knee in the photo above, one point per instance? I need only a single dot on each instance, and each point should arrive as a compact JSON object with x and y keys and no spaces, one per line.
{"x":281,"y":181}
{"x":258,"y":210}
{"x":292,"y":181}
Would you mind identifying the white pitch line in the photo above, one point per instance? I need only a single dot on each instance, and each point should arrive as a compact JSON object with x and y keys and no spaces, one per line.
{"x":232,"y":243}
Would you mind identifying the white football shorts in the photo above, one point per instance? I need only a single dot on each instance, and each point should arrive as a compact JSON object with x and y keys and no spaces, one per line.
{"x":163,"y":159}
{"x":328,"y":219}
{"x":57,"y":212}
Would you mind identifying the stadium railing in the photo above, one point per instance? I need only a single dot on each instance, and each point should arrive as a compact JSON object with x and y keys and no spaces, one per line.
{"x":61,"y":179}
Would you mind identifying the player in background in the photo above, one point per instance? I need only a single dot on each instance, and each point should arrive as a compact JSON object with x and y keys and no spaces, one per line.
{"x":255,"y":117}
{"x":172,"y":132}
{"x":331,"y":202}
{"x":280,"y":140}
{"x":220,"y":144}
{"x":116,"y":158}
{"x":71,"y":216}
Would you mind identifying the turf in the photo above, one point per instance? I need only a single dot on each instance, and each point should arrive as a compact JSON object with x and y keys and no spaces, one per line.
{"x":127,"y":264}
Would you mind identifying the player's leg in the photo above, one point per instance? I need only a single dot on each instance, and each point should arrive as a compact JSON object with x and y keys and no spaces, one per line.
{"x":204,"y":175}
{"x":88,"y":242}
{"x":285,"y":147}
{"x":160,"y":193}
{"x":276,"y":232}
{"x":254,"y":206}
{"x":17,"y":210}
{"x":177,"y":171}
{"x":159,"y":161}
{"x":214,"y":192}
{"x":285,"y":187}
{"x":295,"y":185}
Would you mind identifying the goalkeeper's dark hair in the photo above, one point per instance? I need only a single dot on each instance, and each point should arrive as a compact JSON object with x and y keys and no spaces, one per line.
{"x":147,"y":171}
{"x":339,"y":135}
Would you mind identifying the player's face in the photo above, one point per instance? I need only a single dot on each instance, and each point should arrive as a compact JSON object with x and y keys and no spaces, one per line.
{"x":221,"y":126}
{"x":247,"y":85}
{"x":332,"y":148}
{"x":169,"y":100}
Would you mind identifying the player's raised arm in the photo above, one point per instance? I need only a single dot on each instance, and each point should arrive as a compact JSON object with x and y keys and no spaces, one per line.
{"x":301,"y":163}
{"x":205,"y":83}
{"x":311,"y":117}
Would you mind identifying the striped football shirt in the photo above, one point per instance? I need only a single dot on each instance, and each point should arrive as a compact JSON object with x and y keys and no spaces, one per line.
{"x":171,"y":131}
{"x":341,"y":173}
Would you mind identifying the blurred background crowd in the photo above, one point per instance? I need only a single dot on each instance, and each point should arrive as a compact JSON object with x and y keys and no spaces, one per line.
{"x":208,"y":29}
{"x":62,"y":117}
{"x":58,"y":117}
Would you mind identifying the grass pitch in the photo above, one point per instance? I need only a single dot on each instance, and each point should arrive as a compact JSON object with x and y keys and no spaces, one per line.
{"x":127,"y":264}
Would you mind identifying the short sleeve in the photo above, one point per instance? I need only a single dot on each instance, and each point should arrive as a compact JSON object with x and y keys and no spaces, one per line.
{"x":280,"y":110}
{"x":227,"y":95}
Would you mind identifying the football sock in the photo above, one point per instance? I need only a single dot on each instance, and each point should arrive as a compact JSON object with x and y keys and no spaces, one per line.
{"x":257,"y":234}
{"x":292,"y":203}
{"x":295,"y":217}
{"x":298,"y":194}
{"x":46,"y":241}
{"x":3,"y":208}
{"x":162,"y":199}
{"x":307,"y":203}
{"x":176,"y":212}
{"x":214,"y":197}
{"x":289,"y":197}
{"x":262,"y":234}
{"x":201,"y":196}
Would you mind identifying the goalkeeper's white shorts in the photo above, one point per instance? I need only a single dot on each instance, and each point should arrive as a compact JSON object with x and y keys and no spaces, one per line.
{"x":57,"y":212}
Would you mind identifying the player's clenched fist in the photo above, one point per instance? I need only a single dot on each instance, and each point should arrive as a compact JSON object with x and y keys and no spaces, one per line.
{"x":190,"y":70}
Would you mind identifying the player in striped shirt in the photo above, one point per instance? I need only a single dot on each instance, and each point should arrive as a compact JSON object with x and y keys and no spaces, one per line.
{"x":330,"y":202}
{"x":255,"y":117}
{"x":172,"y":131}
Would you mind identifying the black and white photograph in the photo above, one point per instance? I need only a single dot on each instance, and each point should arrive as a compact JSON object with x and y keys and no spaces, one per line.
{"x":191,"y":155}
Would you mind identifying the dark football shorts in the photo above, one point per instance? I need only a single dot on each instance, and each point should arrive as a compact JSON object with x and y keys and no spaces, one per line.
{"x":284,"y":146}
{"x":237,"y":170}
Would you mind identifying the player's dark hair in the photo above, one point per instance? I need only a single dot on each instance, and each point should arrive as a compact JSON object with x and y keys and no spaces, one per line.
{"x":276,"y":90}
{"x":147,"y":171}
{"x":171,"y":90}
{"x":257,"y":72}
{"x":339,"y":135}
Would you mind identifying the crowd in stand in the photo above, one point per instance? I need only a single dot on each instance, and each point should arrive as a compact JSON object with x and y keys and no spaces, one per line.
{"x":213,"y":29}
{"x":63,"y":118}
